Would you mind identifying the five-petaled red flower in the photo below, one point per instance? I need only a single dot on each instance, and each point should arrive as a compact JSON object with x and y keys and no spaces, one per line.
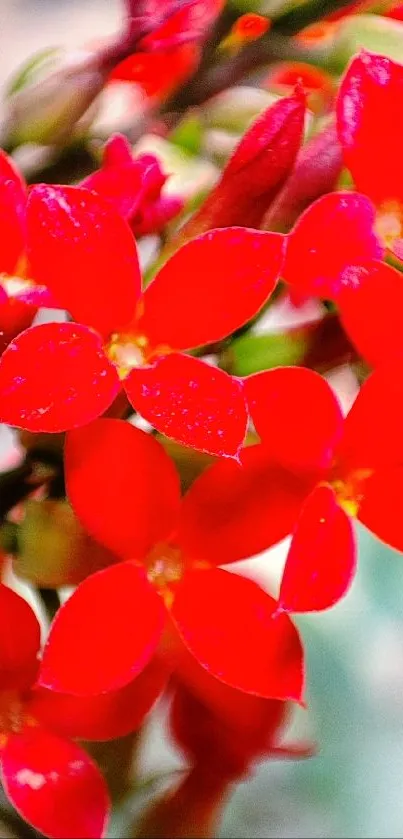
{"x":125,"y":490}
{"x":58,"y":376}
{"x":346,"y":467}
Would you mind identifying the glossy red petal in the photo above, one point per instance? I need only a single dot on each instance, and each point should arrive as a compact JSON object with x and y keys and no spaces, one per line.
{"x":369,"y":124}
{"x":381,"y":506}
{"x":371,"y":308}
{"x":54,"y":785}
{"x":297,"y":416}
{"x":104,"y":635}
{"x":84,"y":252}
{"x":227,"y":623}
{"x":335,"y":232}
{"x":191,"y":402}
{"x":373,"y":427}
{"x":236,"y":510}
{"x":122,"y":485}
{"x":211,"y":286}
{"x":102,"y":717}
{"x":13,"y":200}
{"x":321,"y":561}
{"x":54,"y":377}
{"x":20,"y":638}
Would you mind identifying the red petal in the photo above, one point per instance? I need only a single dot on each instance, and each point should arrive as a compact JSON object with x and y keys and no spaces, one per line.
{"x":321,"y":561}
{"x":235,"y":511}
{"x":371,"y":307}
{"x":102,"y":717}
{"x":381,"y":506}
{"x":84,"y":252}
{"x":13,"y":200}
{"x":211,"y":286}
{"x":55,"y":376}
{"x":54,"y":785}
{"x":227,"y":623}
{"x":191,"y":402}
{"x":297,"y":416}
{"x":20,"y":638}
{"x":373,"y":428}
{"x":120,"y":178}
{"x":336,"y":231}
{"x":370,"y":126}
{"x":122,"y":485}
{"x":105,"y":633}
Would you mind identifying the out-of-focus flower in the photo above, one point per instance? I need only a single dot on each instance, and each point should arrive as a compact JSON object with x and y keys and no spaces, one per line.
{"x":245,"y":30}
{"x":50,"y":780}
{"x":318,"y":84}
{"x":134,"y":186}
{"x":19,"y":295}
{"x":58,"y":376}
{"x":159,"y":587}
{"x":46,"y":108}
{"x":158,"y":74}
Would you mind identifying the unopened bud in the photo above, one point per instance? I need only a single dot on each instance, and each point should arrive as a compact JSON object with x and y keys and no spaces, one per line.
{"x":47,"y":102}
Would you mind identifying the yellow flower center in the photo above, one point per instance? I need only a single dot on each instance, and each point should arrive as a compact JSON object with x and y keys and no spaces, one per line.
{"x":389,"y":222}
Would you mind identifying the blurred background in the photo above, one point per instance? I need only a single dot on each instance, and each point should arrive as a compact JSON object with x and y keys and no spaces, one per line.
{"x":353,"y":788}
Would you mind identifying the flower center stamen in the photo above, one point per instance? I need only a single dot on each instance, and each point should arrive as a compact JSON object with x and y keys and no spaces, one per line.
{"x":350,"y":490}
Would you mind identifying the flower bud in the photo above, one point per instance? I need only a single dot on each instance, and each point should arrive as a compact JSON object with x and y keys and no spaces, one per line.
{"x":255,"y":172}
{"x":371,"y":32}
{"x":53,"y":548}
{"x":48,"y":100}
{"x":316,"y":171}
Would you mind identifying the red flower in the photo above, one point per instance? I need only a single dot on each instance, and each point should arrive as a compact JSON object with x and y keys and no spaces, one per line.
{"x":55,"y":377}
{"x":158,"y":73}
{"x":332,"y":235}
{"x":318,"y":84}
{"x":370,"y":131}
{"x":50,"y":780}
{"x":125,"y":490}
{"x":354,"y":466}
{"x":134,"y":185}
{"x":247,"y":28}
{"x":176,"y":22}
{"x":19,"y":297}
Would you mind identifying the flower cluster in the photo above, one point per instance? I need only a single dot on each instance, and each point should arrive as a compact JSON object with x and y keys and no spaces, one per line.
{"x":273,"y":454}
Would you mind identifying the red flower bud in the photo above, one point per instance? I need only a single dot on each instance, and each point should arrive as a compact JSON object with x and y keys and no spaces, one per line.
{"x":255,"y":172}
{"x":316,"y":171}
